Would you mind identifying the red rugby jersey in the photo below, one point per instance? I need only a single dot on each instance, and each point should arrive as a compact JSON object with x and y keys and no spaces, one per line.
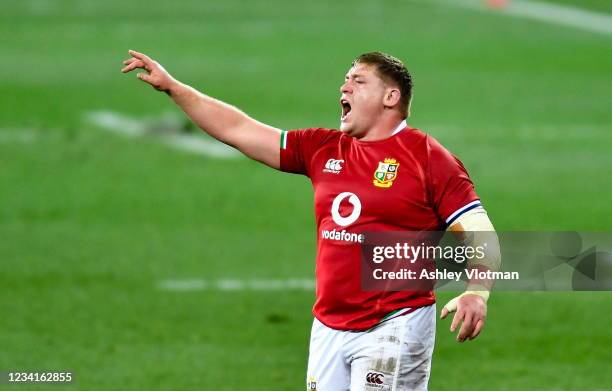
{"x":407,"y":182}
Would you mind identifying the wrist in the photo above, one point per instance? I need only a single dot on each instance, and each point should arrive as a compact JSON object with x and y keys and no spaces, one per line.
{"x":174,"y":88}
{"x":478,"y":292}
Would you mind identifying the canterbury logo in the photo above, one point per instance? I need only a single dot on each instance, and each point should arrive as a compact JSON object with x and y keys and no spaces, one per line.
{"x":333,"y":166}
{"x":375,"y":378}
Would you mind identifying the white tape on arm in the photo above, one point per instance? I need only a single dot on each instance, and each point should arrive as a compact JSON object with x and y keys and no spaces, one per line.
{"x":476,"y":219}
{"x":474,"y":228}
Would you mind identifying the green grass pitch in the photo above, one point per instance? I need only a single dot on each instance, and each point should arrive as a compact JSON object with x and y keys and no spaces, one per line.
{"x":90,"y":222}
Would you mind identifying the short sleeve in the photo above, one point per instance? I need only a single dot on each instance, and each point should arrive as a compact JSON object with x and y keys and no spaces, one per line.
{"x":297,"y":148}
{"x":452,"y":191}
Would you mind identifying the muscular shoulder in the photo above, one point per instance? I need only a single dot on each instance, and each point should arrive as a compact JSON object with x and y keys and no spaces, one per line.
{"x":425,"y":146}
{"x":300,"y":147}
{"x":317,"y":136}
{"x":439,"y":155}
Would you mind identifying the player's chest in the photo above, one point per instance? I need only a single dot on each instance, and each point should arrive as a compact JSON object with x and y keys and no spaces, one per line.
{"x":381,"y":181}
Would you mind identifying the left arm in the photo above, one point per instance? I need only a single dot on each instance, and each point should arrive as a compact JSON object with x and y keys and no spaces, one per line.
{"x":474,"y":229}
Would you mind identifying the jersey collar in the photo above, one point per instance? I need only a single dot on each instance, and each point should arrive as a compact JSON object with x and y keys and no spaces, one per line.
{"x":399,"y":128}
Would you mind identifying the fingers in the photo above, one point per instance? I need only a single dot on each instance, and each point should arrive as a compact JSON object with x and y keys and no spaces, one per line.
{"x":456,"y":320}
{"x":444,"y":313}
{"x":467,"y":327}
{"x":145,"y":77}
{"x":470,"y":314}
{"x":132,"y":65}
{"x":449,"y":307}
{"x":141,"y":56}
{"x":138,"y":60}
{"x":477,"y":329}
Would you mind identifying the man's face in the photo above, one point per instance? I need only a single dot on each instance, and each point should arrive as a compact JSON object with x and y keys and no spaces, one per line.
{"x":362,"y":97}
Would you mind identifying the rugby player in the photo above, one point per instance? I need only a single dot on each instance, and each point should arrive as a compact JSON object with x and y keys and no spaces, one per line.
{"x":375,"y":173}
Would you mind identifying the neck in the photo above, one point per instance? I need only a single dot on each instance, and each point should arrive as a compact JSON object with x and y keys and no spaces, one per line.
{"x":384,"y":129}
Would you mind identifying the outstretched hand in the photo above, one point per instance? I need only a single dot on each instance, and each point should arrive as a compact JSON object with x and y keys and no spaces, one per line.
{"x":155,"y":74}
{"x":471,"y":312}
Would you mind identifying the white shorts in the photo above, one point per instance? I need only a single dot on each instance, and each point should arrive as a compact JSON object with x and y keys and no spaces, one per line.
{"x":393,"y":356}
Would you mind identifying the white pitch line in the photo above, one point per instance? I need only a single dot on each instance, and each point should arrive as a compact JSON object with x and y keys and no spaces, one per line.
{"x":117,"y":123}
{"x":236,"y":285}
{"x":134,"y":128}
{"x":183,"y":285}
{"x":8,"y":136}
{"x":564,"y":15}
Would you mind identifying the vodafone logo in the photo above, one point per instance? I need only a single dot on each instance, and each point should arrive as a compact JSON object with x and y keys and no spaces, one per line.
{"x":335,"y":209}
{"x":339,"y":233}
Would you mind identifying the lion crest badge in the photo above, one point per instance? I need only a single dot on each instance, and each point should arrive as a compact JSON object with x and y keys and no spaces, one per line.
{"x":386,"y":173}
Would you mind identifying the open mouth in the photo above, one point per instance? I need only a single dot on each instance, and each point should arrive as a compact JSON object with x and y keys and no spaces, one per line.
{"x":346,"y":108}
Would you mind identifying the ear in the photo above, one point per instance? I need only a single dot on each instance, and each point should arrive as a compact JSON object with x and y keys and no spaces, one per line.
{"x":392,"y":97}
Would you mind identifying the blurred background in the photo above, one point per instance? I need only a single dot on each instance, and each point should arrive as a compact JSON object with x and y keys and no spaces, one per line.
{"x":139,"y":254}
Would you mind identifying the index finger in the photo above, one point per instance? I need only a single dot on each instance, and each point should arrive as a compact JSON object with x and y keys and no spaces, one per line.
{"x":141,"y":56}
